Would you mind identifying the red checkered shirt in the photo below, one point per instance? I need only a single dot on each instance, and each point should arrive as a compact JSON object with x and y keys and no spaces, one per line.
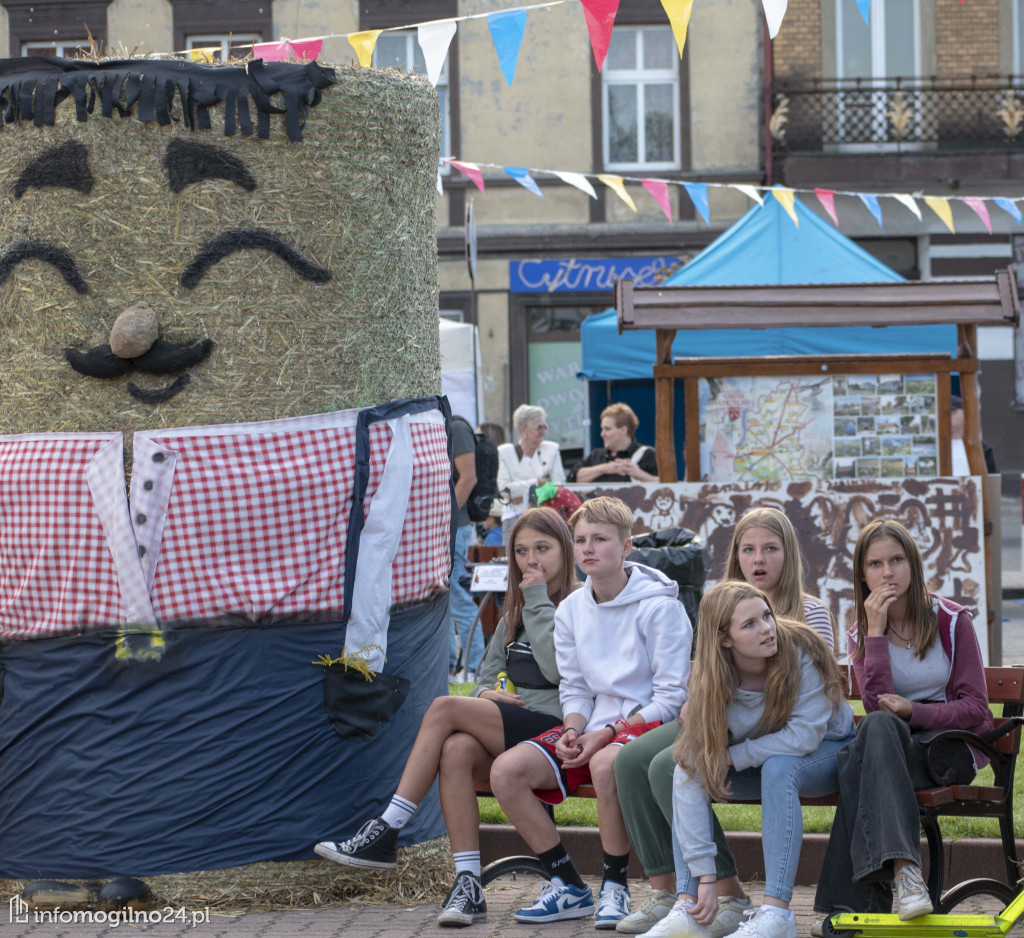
{"x":230,"y":524}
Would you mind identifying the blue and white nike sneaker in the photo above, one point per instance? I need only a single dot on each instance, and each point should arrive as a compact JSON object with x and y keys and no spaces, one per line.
{"x":612,"y":905}
{"x":558,"y":901}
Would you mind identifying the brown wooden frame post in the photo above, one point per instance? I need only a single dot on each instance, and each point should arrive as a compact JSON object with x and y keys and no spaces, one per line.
{"x":664,"y":410}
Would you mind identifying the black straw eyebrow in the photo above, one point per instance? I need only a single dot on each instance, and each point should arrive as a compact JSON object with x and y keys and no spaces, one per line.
{"x":187,"y":162}
{"x":243,"y":239}
{"x":65,"y":166}
{"x":43,"y":251}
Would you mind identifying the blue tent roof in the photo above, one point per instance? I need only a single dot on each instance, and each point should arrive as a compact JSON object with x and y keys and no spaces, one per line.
{"x":764,"y":246}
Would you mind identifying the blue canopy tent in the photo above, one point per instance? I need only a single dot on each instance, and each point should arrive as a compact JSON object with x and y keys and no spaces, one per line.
{"x":763,"y":247}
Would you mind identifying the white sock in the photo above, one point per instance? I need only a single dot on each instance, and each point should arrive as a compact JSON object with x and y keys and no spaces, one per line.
{"x":467,"y":861}
{"x":398,"y":812}
{"x":787,"y":914}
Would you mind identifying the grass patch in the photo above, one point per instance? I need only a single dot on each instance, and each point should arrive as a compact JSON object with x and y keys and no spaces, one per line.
{"x":582,"y":812}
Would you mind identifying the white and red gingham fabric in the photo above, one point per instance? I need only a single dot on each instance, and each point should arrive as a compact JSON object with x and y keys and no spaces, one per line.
{"x":226,"y":524}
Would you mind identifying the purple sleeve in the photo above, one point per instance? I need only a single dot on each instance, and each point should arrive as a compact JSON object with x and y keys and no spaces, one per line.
{"x":874,"y":672}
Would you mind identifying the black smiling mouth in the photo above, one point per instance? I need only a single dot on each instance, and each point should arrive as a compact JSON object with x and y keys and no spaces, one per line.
{"x":162,"y":358}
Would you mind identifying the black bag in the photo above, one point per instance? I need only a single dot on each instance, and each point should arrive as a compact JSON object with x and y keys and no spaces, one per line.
{"x":478,"y":505}
{"x":357,"y":708}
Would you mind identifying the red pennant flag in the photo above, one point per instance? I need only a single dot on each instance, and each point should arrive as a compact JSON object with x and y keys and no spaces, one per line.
{"x":980,"y":209}
{"x":600,"y":16}
{"x":827,"y":197}
{"x":658,"y":189}
{"x":470,"y":169}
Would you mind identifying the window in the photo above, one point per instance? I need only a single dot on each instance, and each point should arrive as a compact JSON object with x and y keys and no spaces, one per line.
{"x":66,"y":48}
{"x":888,"y":47}
{"x":640,"y":100}
{"x":1018,"y":36}
{"x":230,"y":45}
{"x":54,"y":27}
{"x":400,"y":49}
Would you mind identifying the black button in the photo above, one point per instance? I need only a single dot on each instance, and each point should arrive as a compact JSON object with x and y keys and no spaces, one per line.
{"x":140,"y":518}
{"x":142,"y":551}
{"x":148,"y":485}
{"x":158,"y":457}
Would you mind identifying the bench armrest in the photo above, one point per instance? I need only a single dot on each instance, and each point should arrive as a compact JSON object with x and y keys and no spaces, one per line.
{"x":983,"y":743}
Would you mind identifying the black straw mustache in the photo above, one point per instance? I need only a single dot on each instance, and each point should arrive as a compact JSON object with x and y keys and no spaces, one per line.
{"x":163,"y":358}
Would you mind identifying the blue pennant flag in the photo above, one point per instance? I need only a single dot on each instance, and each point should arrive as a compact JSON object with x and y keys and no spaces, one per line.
{"x":507,"y":30}
{"x":698,"y":193}
{"x":1009,"y":206}
{"x":523,"y":177}
{"x":864,"y":6}
{"x":871,"y":204}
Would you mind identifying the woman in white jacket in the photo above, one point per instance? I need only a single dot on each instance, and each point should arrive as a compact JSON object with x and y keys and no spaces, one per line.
{"x":531,"y":461}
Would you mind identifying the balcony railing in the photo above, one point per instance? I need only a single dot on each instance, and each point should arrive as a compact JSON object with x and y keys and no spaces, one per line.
{"x":895,"y":114}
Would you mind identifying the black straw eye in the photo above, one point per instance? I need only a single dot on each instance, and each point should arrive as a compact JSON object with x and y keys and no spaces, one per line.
{"x":243,"y":239}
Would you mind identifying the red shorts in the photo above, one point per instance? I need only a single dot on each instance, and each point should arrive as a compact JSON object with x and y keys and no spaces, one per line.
{"x":571,"y":779}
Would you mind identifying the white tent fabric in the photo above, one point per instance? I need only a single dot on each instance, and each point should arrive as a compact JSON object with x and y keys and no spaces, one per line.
{"x":461,"y":378}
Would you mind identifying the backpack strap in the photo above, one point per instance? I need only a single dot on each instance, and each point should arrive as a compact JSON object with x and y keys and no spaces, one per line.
{"x":638,"y":455}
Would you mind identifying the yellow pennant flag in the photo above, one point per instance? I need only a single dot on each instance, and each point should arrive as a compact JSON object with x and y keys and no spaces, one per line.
{"x":363,"y":43}
{"x":679,"y":17}
{"x":785,"y":198}
{"x":205,"y":54}
{"x":616,"y":185}
{"x":941,"y":208}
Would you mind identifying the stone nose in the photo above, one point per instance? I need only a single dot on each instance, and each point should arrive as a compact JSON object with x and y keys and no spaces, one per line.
{"x":134,"y":331}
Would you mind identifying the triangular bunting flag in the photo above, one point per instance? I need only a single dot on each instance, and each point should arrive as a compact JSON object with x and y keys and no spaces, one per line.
{"x":750,"y":192}
{"x":577,"y":180}
{"x":523,"y":177}
{"x":678,"y":12}
{"x":658,"y":189}
{"x":980,"y":209}
{"x":827,"y":198}
{"x":205,"y":54}
{"x":306,"y":50}
{"x":470,"y":169}
{"x":941,"y":208}
{"x":870,"y":201}
{"x":434,"y":39}
{"x":1010,"y":207}
{"x":774,"y":11}
{"x":363,"y":43}
{"x":507,"y":30}
{"x":600,"y":16}
{"x":910,"y":202}
{"x":785,"y":198}
{"x":615,"y":184}
{"x":698,"y":193}
{"x":272,"y":51}
{"x":865,"y":8}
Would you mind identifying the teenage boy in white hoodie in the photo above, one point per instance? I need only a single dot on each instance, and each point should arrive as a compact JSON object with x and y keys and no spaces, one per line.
{"x":622,"y":644}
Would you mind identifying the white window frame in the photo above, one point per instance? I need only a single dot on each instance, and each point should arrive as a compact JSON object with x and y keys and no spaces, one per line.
{"x":1017,"y":17}
{"x":411,"y":41}
{"x":640,"y":77}
{"x":224,"y":40}
{"x":62,"y":46}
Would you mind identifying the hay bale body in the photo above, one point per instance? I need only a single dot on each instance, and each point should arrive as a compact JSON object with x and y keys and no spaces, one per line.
{"x":355,"y":196}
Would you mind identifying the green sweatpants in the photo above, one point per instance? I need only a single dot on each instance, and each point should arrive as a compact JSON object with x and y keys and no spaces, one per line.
{"x":643,"y":776}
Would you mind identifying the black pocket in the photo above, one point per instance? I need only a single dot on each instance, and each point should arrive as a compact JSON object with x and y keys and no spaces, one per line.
{"x":357,"y":708}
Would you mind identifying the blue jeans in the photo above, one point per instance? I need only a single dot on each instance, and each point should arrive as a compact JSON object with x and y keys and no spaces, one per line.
{"x":778,"y":783}
{"x":463,"y":608}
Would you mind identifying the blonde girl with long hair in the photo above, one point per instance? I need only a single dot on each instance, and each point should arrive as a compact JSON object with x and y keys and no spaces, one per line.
{"x":765,"y":720}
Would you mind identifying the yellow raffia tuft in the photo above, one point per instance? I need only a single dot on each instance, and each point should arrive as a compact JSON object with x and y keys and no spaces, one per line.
{"x":356,"y":660}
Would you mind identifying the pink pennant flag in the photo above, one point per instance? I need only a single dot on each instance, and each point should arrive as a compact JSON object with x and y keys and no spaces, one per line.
{"x":658,"y":189}
{"x":272,"y":51}
{"x":470,"y":169}
{"x":980,"y":209}
{"x":306,"y":50}
{"x":827,"y":198}
{"x":600,"y":15}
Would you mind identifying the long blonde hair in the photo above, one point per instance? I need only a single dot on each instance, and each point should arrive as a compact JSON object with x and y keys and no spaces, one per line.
{"x":703,"y":747}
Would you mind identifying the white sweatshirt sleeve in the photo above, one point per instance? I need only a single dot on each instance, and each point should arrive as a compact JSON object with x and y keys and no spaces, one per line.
{"x":573,"y":691}
{"x":668,"y":634}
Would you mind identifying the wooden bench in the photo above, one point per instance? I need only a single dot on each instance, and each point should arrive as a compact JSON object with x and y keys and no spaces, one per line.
{"x":1005,"y":690}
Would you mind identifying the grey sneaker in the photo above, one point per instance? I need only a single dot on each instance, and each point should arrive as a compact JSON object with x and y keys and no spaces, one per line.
{"x":465,"y":903}
{"x":730,"y":914}
{"x":375,"y":846}
{"x":678,"y":924}
{"x":912,"y":899}
{"x":654,"y":908}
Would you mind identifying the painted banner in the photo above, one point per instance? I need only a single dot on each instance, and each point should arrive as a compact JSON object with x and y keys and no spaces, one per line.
{"x":580,"y":274}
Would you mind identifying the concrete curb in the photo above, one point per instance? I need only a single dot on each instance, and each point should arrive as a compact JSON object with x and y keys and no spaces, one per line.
{"x":964,"y":859}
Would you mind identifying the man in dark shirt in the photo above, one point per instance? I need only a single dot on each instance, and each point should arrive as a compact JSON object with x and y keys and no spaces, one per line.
{"x":462,"y":606}
{"x":621,"y":459}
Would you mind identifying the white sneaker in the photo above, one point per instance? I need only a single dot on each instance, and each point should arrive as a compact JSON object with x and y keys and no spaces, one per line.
{"x":655,"y":907}
{"x":612,"y":905}
{"x":730,"y":914}
{"x":912,"y":899}
{"x":678,"y":924}
{"x":760,"y":923}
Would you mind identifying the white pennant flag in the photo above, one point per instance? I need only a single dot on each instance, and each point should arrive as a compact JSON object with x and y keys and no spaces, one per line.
{"x":909,"y":202}
{"x":580,"y":182}
{"x":434,"y":39}
{"x":774,"y":11}
{"x":752,"y":192}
